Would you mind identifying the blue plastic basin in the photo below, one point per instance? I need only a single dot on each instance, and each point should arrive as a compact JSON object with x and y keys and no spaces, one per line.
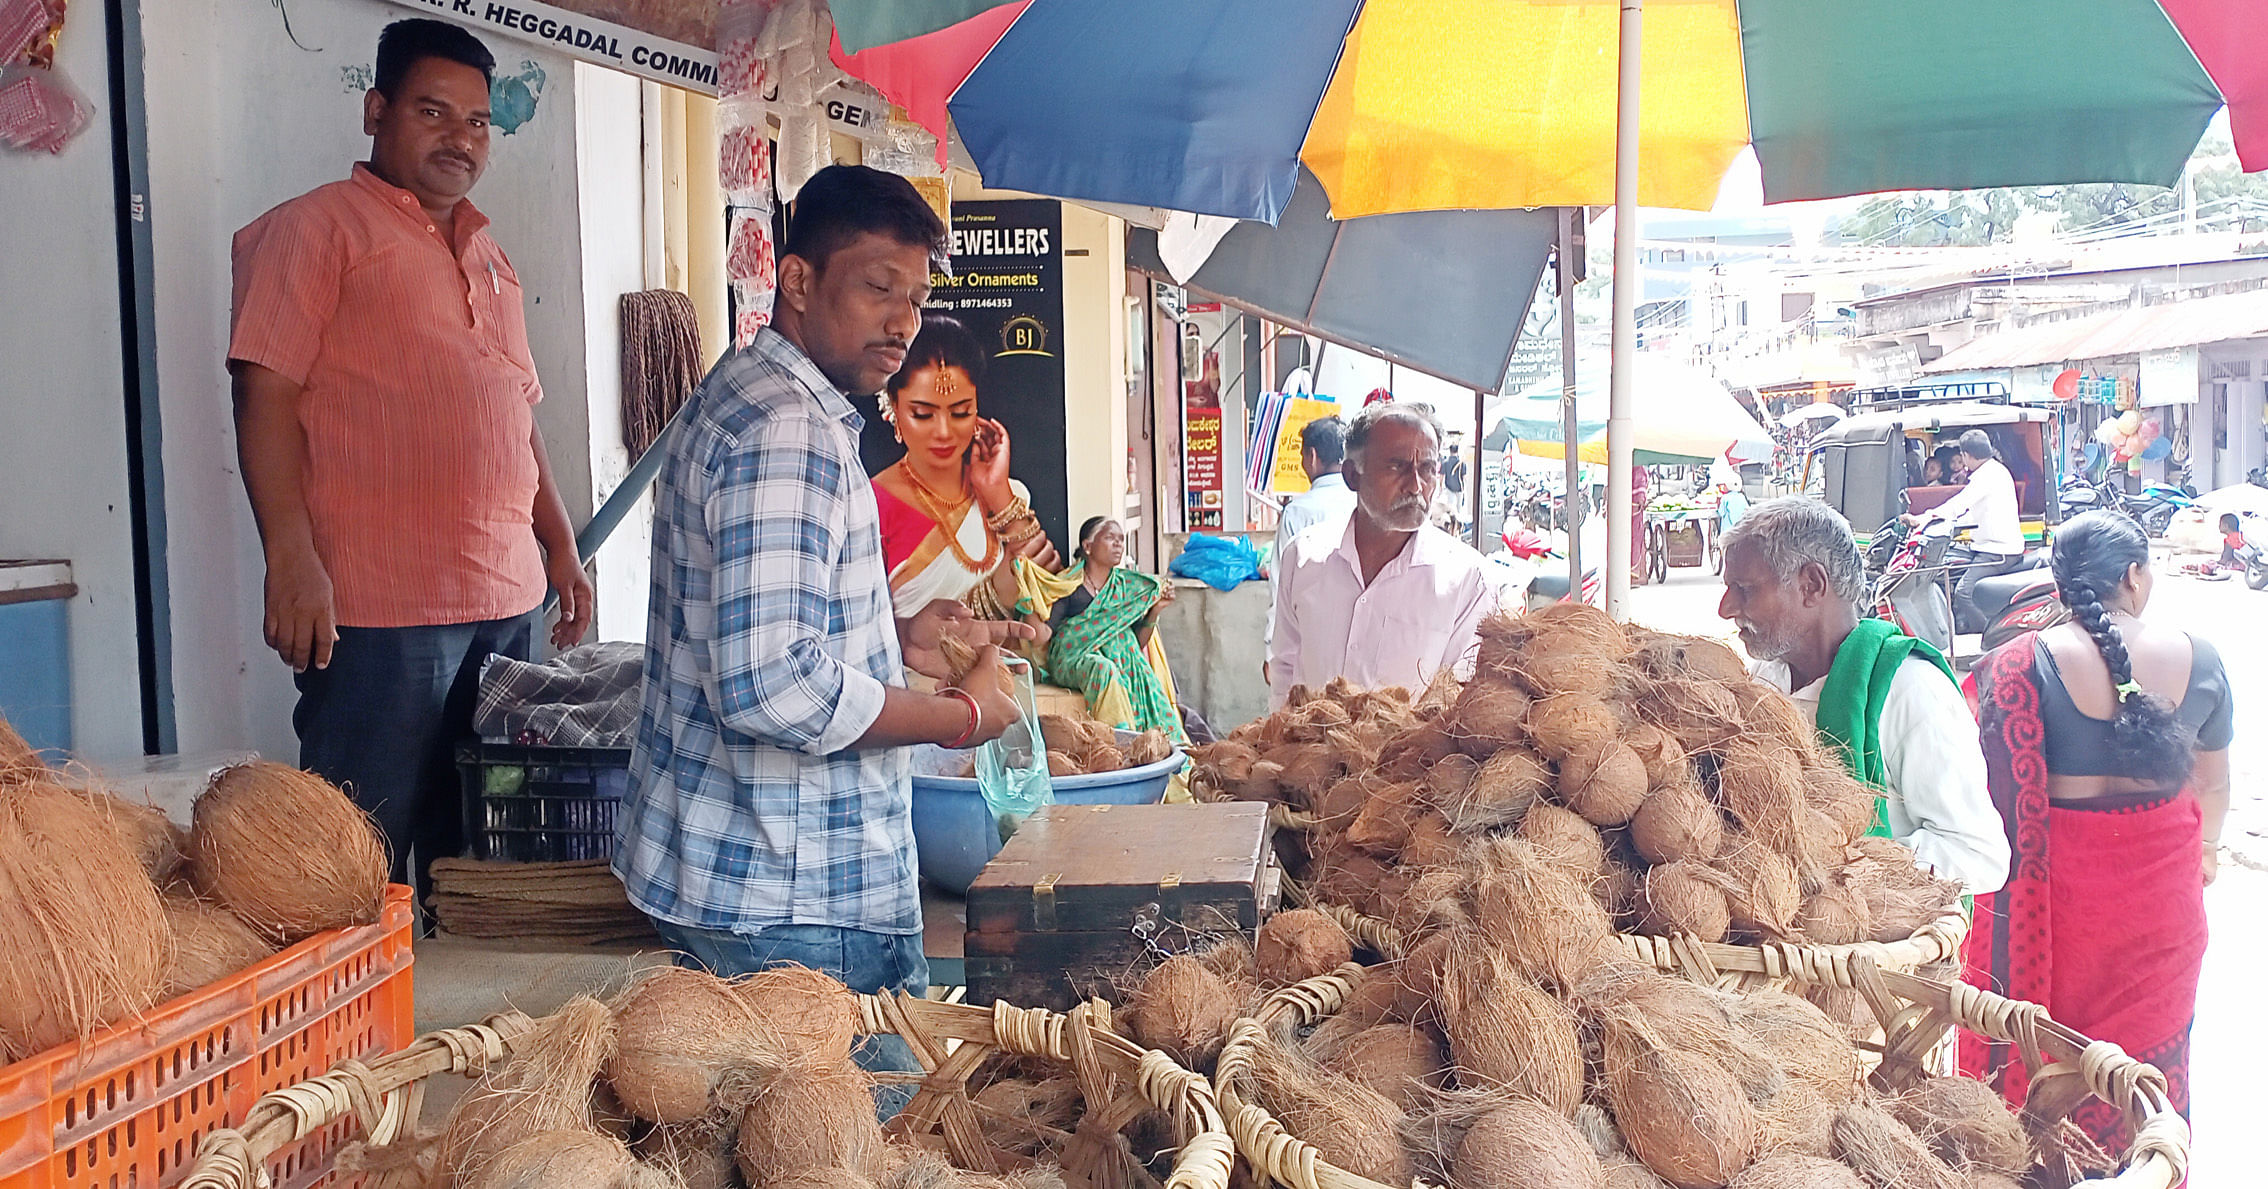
{"x":955,"y":832}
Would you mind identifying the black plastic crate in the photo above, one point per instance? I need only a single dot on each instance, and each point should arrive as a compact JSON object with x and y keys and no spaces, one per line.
{"x":541,"y":804}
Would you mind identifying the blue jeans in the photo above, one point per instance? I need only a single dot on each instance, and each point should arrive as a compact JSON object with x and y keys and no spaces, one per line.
{"x":384,"y":719}
{"x":870,"y":963}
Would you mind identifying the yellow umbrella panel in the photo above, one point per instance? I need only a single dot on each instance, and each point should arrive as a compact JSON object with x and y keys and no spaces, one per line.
{"x":1457,"y":104}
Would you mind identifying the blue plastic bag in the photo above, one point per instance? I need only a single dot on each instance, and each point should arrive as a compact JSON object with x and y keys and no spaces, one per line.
{"x":1218,"y":562}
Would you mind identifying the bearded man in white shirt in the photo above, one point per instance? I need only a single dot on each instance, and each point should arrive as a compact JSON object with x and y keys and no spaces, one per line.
{"x":1986,"y":506}
{"x":1381,"y":598}
{"x":1885,"y":702}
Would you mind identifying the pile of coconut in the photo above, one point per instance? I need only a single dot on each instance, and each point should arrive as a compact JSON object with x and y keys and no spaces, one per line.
{"x":112,"y":908}
{"x":690,"y":1080}
{"x":1685,"y":796}
{"x":1084,"y":747}
{"x":1520,"y":1048}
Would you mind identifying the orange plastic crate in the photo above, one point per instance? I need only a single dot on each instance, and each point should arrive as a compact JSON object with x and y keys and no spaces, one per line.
{"x":126,"y":1108}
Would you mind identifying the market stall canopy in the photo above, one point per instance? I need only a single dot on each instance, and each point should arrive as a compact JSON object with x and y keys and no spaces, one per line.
{"x":1684,"y":416}
{"x":1210,"y":106}
{"x":1442,"y":292}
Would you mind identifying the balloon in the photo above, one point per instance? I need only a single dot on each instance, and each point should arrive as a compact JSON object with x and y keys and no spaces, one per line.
{"x":2123,"y":454}
{"x":2129,"y":421}
{"x":2134,"y":467}
{"x":2150,"y":430}
{"x":2066,"y":384}
{"x":2157,"y":450}
{"x":2107,"y":433}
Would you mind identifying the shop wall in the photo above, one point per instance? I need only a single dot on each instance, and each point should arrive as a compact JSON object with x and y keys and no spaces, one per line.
{"x":63,"y":482}
{"x":242,"y":118}
{"x":608,"y":154}
{"x":1094,"y":336}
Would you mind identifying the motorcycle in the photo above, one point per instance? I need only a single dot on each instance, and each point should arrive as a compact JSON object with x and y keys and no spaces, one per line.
{"x":2156,"y":505}
{"x":1907,"y":569}
{"x":2019,"y":601}
{"x":1546,"y":586}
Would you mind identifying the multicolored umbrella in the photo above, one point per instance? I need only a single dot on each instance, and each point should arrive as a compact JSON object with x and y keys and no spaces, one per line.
{"x":1210,"y":106}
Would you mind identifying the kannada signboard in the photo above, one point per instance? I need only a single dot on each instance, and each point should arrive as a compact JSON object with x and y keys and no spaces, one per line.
{"x":1007,"y":289}
{"x":668,"y":41}
{"x":1201,"y":448}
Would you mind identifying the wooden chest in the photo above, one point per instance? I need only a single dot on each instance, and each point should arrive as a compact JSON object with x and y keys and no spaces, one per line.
{"x":1085,"y":899}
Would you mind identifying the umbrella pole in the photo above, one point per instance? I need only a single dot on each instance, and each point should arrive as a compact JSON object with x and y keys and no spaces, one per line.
{"x":1569,"y":430}
{"x":1480,"y":461}
{"x":1619,"y":503}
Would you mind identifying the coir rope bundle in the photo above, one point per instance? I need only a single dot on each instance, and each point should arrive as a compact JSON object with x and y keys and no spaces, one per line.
{"x":661,"y":362}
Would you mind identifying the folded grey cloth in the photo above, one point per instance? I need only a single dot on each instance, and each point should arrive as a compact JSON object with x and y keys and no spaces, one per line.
{"x":585,"y":697}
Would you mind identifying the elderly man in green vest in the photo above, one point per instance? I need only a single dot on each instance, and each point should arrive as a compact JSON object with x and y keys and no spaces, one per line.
{"x":1794,"y":580}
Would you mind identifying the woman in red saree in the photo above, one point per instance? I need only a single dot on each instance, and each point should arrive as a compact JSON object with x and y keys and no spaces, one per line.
{"x":953,"y":523}
{"x":2106,"y":748}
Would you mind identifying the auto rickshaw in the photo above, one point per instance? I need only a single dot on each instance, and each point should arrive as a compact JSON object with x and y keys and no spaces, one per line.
{"x":1861,"y":466}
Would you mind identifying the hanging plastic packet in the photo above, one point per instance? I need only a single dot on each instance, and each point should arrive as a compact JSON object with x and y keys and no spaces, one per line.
{"x":1012,"y":770}
{"x":40,"y":111}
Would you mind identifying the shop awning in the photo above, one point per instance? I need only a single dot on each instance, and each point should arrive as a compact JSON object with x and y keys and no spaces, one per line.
{"x":1442,"y":292}
{"x":2124,"y":332}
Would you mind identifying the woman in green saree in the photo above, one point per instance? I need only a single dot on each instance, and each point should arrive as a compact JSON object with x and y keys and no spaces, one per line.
{"x":1105,"y":643}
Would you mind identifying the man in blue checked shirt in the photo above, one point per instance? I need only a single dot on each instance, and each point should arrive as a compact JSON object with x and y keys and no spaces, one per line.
{"x":771,"y":818}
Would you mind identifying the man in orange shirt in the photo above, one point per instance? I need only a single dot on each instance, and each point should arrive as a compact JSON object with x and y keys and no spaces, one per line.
{"x":385,"y":423}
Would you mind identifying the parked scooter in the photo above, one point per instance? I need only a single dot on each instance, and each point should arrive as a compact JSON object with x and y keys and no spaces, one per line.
{"x":2019,"y":601}
{"x":1909,"y":578}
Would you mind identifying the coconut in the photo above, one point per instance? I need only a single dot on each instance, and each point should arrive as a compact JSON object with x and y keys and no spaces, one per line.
{"x":1311,"y":722}
{"x":1439,"y":695}
{"x":1402,"y":1062}
{"x":1967,"y":1124}
{"x":1616,"y":890}
{"x":1822,"y":853}
{"x":567,"y":1159}
{"x":1487,"y":718}
{"x":1606,"y":783}
{"x":19,"y":760}
{"x":1414,"y":752}
{"x":1450,"y":781}
{"x":1700,"y":714}
{"x":545,"y":1088}
{"x":145,"y":829}
{"x":286,"y":851}
{"x":1547,"y":669}
{"x":681,"y":1035}
{"x":1568,"y":723}
{"x":1665,"y":761}
{"x":1064,"y":764}
{"x":209,"y":944}
{"x":1262,"y":782}
{"x":1847,"y":1010}
{"x":1383,"y":827}
{"x":1521,"y":1145}
{"x":1772,"y":719}
{"x":1184,"y":1010}
{"x":1500,"y":793}
{"x":1762,"y":785}
{"x":811,"y":1117}
{"x":1835,"y":915}
{"x":1309,"y":768}
{"x":807,"y":1016}
{"x":1794,"y":1170}
{"x":1421,"y":973}
{"x":1431,"y":844}
{"x":1506,"y":1031}
{"x":1763,"y":894}
{"x":1562,"y":836}
{"x":1713,"y":659}
{"x":698,"y":1155}
{"x":1845,"y":800}
{"x":1223,"y":765}
{"x":1627,"y":1172}
{"x":1685,"y":897}
{"x":1886,"y":1155}
{"x":1298,"y":945}
{"x":1544,"y":918}
{"x":1105,"y":759}
{"x":88,"y":941}
{"x":1797,"y":1037}
{"x":1025,"y":1117}
{"x":1900,"y":896}
{"x":1343,"y":875}
{"x":1352,"y":1126}
{"x":1796,"y":1119}
{"x":1683,"y":1114}
{"x":1677,"y":822}
{"x":1676,"y":1013}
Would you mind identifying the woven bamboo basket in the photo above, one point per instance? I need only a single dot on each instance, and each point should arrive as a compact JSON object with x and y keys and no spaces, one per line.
{"x":1918,"y":1015}
{"x":1733,"y":967}
{"x":1121,"y":1081}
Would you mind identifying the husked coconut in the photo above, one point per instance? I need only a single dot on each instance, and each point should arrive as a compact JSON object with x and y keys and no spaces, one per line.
{"x":1298,"y":945}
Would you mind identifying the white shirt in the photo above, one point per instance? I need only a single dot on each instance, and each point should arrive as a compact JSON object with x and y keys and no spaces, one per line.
{"x":1416,"y":618}
{"x":1326,"y":499}
{"x":1987,"y":506}
{"x":1937,"y":802}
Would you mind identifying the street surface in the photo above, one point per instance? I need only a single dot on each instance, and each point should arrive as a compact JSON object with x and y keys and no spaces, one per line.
{"x":2229,"y":1048}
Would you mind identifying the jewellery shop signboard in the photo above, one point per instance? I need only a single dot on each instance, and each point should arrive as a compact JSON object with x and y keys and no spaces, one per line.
{"x":1007,"y":289}
{"x":675,"y":46}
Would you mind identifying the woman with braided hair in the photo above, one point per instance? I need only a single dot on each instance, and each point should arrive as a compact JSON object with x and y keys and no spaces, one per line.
{"x":2106,"y":749}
